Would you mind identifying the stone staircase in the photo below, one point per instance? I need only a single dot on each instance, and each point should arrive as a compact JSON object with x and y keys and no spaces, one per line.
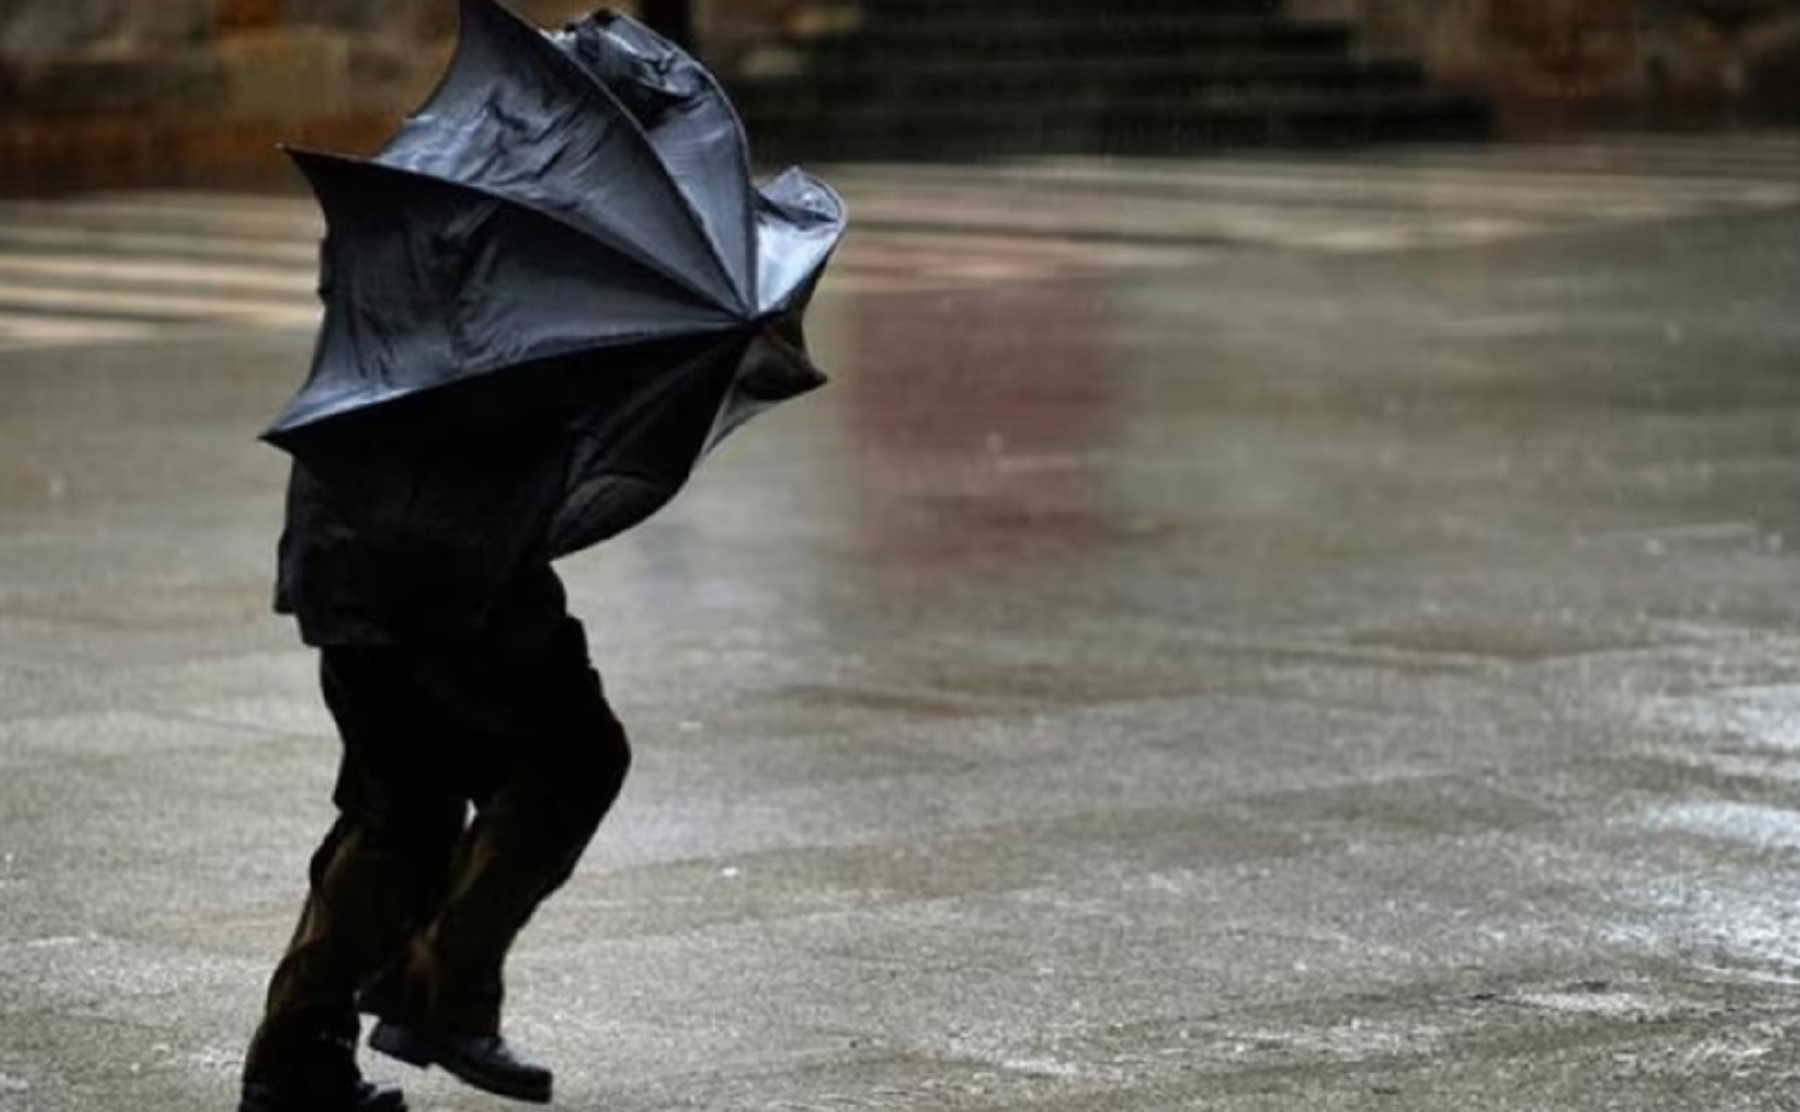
{"x":961,"y":79}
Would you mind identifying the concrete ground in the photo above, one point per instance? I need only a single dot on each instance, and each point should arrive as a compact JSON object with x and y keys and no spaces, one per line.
{"x":1247,"y":673}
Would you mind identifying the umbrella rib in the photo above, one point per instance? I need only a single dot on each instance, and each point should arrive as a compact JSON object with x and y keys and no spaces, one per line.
{"x":776,"y":210}
{"x":570,"y":68}
{"x":752,"y":294}
{"x":284,"y":426}
{"x":622,"y":340}
{"x":703,"y":297}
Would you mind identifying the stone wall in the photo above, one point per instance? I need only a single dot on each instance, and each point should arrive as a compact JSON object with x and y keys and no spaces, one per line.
{"x":38,"y":26}
{"x":96,"y":93}
{"x":252,"y":58}
{"x":104,"y":92}
{"x":238,"y":59}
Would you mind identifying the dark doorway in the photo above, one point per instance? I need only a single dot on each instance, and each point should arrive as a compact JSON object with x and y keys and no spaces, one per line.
{"x":673,"y":19}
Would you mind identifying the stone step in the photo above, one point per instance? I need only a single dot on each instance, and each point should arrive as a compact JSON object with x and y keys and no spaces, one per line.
{"x":948,"y":13}
{"x":1139,"y":125}
{"x":974,"y":78}
{"x":1167,"y":86}
{"x":1048,"y":39}
{"x":1023,"y":78}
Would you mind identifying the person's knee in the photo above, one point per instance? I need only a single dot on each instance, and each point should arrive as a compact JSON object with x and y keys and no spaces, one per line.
{"x":593,"y":771}
{"x":388,"y":854}
{"x":341,"y":832}
{"x":418,"y":829}
{"x":607,"y":759}
{"x":374,"y":836}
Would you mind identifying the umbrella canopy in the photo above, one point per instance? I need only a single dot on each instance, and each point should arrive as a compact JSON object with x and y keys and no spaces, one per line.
{"x":565,"y":233}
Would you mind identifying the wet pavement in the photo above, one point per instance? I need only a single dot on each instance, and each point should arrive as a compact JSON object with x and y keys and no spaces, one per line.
{"x":1272,"y":679}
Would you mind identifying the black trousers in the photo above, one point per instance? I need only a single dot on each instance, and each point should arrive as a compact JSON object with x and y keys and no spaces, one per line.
{"x":472,"y":779}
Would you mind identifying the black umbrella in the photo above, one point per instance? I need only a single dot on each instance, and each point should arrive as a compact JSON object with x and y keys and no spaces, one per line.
{"x":567,"y":231}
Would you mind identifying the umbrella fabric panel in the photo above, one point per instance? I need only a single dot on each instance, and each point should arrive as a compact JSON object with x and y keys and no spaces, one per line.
{"x":427,"y":283}
{"x":690,"y":123}
{"x":631,"y":425}
{"x":517,"y":118}
{"x":799,"y":223}
{"x":775,"y":368}
{"x":385,"y":332}
{"x":635,"y":449}
{"x":630,"y":455}
{"x":528,"y":293}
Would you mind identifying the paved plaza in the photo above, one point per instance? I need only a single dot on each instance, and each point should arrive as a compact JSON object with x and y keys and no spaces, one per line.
{"x":1255,"y":634}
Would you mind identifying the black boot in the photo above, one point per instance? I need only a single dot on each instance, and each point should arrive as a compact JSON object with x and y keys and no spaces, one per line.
{"x":484,"y":1061}
{"x":306,"y":1062}
{"x":296,"y":1068}
{"x":368,"y":1097}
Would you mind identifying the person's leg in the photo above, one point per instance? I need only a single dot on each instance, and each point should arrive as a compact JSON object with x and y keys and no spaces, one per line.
{"x":557,"y":763}
{"x":378,"y":875}
{"x":524,"y":844}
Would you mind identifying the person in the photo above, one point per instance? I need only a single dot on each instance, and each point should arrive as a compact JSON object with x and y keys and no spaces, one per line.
{"x":479,"y":756}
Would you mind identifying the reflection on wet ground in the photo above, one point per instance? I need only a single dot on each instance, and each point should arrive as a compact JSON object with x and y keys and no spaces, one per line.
{"x":1285,"y":679}
{"x":978,"y":423}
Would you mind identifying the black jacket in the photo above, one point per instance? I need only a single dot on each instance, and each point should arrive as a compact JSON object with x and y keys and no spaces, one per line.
{"x":420,"y":539}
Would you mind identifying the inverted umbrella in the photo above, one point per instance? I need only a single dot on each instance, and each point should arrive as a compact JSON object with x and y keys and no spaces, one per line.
{"x":566,"y":231}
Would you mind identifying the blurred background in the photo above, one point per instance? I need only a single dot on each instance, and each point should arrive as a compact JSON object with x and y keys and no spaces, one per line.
{"x":119,"y":93}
